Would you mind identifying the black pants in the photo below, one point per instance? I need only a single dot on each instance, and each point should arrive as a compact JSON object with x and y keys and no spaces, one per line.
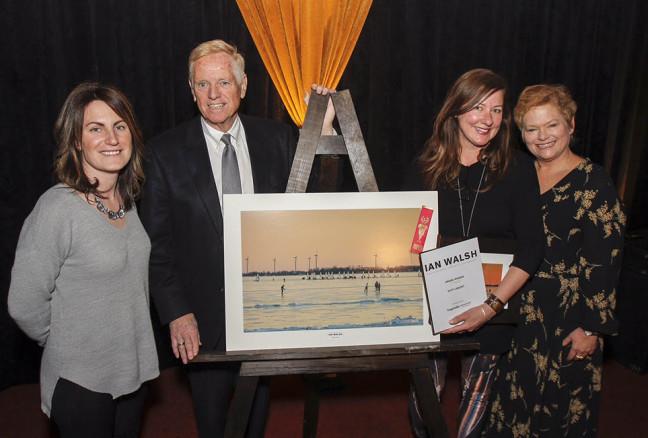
{"x":211,"y":390}
{"x":79,"y":412}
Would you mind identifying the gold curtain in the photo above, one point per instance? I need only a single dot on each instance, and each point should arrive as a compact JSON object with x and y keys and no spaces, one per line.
{"x":303,"y":42}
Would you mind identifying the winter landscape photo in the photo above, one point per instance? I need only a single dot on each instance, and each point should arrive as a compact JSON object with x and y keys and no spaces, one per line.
{"x":330,"y":269}
{"x":307,"y":270}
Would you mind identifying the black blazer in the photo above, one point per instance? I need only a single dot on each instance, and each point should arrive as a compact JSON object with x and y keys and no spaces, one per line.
{"x":181,"y":212}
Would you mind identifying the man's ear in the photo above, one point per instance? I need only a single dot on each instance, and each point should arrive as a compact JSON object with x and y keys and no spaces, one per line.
{"x":192,"y":91}
{"x":243,"y":86}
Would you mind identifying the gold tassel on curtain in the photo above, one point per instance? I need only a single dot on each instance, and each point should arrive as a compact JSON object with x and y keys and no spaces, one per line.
{"x":303,"y":42}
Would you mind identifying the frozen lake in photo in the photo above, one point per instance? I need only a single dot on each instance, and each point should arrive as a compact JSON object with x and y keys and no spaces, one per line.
{"x":332,"y":303}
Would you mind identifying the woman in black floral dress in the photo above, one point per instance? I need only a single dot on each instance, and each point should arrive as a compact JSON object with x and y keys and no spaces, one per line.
{"x":549,"y":383}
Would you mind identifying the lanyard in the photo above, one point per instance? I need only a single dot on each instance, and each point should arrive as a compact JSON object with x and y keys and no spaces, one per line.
{"x":472,"y":210}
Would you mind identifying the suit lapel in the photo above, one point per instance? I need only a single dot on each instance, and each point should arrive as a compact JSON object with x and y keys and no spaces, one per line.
{"x":200,"y":170}
{"x":258,"y":156}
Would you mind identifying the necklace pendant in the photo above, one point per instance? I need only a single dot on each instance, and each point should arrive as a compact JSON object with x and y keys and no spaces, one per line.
{"x":112,"y":215}
{"x":466,"y":196}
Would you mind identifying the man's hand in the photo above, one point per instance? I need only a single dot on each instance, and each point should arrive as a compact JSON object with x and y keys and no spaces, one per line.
{"x":185,"y":339}
{"x":327,"y":127}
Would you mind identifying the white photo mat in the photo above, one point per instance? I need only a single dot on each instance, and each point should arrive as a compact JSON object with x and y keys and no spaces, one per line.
{"x":265,"y":294}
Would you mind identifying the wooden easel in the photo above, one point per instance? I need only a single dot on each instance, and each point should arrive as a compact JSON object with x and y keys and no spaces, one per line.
{"x":349,"y":143}
{"x":308,"y":361}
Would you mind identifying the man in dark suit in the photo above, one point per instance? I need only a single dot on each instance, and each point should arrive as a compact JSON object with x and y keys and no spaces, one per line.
{"x":186,"y":175}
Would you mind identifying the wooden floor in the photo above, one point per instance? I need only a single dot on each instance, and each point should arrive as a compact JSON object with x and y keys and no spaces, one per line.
{"x":353,"y":405}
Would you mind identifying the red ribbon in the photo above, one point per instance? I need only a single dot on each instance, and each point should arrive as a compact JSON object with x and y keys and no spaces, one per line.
{"x":421,"y":231}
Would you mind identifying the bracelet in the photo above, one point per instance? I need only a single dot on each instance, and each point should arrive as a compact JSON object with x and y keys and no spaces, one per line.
{"x":589,"y":333}
{"x":494,"y":303}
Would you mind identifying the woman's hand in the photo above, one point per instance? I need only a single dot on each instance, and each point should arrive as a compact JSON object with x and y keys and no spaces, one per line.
{"x":470,"y":320}
{"x":581,"y":344}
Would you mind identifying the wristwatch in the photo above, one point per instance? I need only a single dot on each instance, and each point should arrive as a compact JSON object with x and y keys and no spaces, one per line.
{"x":589,"y":333}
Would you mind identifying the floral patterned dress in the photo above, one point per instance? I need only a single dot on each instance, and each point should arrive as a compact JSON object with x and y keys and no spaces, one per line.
{"x":539,"y":393}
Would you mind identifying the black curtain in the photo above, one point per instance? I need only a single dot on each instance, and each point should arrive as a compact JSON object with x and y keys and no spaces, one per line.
{"x":409,"y":53}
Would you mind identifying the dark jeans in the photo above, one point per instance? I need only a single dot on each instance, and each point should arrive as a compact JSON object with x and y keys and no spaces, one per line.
{"x":79,"y":412}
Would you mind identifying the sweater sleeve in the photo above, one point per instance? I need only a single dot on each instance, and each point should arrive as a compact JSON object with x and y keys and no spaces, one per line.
{"x":43,"y":246}
{"x":527,"y":219}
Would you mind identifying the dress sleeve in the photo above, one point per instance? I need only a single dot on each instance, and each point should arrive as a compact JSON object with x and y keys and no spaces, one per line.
{"x":43,"y":245}
{"x":603,"y":225}
{"x":156,"y":216}
{"x":527,"y":219}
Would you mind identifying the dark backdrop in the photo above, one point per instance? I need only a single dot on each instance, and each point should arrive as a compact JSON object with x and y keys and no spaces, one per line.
{"x":408,"y":54}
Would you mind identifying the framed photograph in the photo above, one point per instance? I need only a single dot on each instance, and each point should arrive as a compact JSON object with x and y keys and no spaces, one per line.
{"x":495,"y":266}
{"x":306,"y":270}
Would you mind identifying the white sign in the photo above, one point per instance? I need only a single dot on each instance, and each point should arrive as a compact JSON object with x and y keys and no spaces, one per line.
{"x":454,"y":281}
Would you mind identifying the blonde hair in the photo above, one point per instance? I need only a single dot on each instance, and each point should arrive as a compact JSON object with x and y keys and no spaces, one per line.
{"x":218,"y":46}
{"x":542,"y":94}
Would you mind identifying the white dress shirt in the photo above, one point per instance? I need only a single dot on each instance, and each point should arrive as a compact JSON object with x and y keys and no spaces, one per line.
{"x":215,"y":149}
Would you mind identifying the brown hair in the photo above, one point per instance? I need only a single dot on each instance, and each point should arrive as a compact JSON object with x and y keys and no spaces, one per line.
{"x":542,"y":94}
{"x":440,"y":161}
{"x":217,"y":46}
{"x":68,"y":130}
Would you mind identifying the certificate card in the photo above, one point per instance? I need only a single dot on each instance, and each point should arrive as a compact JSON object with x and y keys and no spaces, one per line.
{"x":454,"y":281}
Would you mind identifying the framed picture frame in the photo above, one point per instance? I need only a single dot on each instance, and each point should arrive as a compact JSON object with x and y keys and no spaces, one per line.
{"x":495,"y":267}
{"x":308,"y":270}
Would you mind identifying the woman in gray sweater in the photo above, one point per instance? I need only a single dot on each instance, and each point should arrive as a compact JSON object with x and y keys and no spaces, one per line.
{"x":79,"y":284}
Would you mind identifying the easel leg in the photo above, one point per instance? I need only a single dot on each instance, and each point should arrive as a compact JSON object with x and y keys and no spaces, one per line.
{"x":240,"y":407}
{"x":429,"y":403}
{"x":311,"y":407}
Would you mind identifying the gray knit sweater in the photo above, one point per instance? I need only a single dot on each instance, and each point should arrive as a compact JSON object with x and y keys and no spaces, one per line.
{"x":79,"y":287}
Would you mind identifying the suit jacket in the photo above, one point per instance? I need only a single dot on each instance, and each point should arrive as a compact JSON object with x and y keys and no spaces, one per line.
{"x":180,"y":210}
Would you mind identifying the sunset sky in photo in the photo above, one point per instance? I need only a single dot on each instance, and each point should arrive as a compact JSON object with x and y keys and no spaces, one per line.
{"x":339,"y":237}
